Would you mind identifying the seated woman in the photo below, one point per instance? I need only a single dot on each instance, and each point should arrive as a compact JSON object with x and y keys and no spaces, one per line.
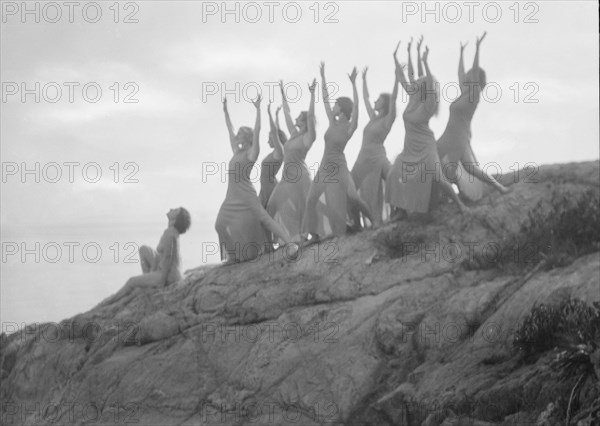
{"x":417,"y":168}
{"x":160,"y":267}
{"x":454,"y":147}
{"x":288,"y":201}
{"x":242,"y":223}
{"x":333,"y":177}
{"x":372,"y":165}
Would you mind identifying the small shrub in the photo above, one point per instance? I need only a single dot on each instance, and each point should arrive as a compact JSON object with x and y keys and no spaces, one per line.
{"x":401,"y":242}
{"x":570,"y":325}
{"x":558,"y":234}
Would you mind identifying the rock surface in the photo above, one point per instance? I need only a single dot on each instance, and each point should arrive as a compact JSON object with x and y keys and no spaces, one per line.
{"x":349,"y":333}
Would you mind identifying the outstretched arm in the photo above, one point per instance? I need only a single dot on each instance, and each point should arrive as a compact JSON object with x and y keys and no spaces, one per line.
{"x":401,"y":78}
{"x":391,"y":116}
{"x":277,"y":118}
{"x":326,"y":94}
{"x":311,"y":134}
{"x":476,"y":59}
{"x":278,"y":147}
{"x":286,"y":111}
{"x":425,"y":57}
{"x":411,"y":71}
{"x":419,"y":64}
{"x":431,"y":95}
{"x":461,"y":66}
{"x":354,"y":116}
{"x":255,"y":148}
{"x":366,"y":95}
{"x":232,"y":141}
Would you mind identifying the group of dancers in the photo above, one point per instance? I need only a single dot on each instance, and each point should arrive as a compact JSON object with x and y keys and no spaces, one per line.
{"x":294,"y":211}
{"x":299,"y":209}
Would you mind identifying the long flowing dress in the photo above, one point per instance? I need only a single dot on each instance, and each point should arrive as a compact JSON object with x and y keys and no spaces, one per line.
{"x":334,"y":179}
{"x":454,"y":146}
{"x":268,"y":177}
{"x":372,"y":167}
{"x":288,"y":200}
{"x":409,"y":184}
{"x":241,"y":218}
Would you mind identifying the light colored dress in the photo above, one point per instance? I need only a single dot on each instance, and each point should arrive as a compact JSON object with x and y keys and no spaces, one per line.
{"x":409,"y":184}
{"x":372,"y":166}
{"x":288,"y":200}
{"x":454,"y":146}
{"x":268,"y":177}
{"x":241,"y":218}
{"x":334,"y":179}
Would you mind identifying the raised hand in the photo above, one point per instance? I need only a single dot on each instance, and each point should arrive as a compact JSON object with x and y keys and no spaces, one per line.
{"x":225,"y":103}
{"x":353,"y":75}
{"x":364,"y":73}
{"x":426,"y":54}
{"x":419,"y":43}
{"x":312,"y":86}
{"x":399,"y":70}
{"x":396,"y":52}
{"x":281,"y":88}
{"x":277,"y":110}
{"x":409,"y":44}
{"x":480,"y":39}
{"x":269,"y":109}
{"x":462,"y":47}
{"x":322,"y":69}
{"x":257,"y":101}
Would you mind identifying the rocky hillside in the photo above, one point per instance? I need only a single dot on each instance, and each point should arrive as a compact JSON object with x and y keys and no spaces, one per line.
{"x":409,"y":324}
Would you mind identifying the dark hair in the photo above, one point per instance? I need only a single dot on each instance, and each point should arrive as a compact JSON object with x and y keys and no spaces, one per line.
{"x":248,"y":134}
{"x":386,"y":105}
{"x":346,"y":106}
{"x":183,"y":221}
{"x":481,"y":78}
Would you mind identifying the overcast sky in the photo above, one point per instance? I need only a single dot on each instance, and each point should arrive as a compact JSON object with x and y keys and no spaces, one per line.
{"x":177,"y":54}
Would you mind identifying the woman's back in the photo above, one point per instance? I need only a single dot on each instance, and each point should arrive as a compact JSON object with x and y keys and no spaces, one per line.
{"x":239,"y":174}
{"x":294,"y":156}
{"x":418,"y":137}
{"x":336,"y":137}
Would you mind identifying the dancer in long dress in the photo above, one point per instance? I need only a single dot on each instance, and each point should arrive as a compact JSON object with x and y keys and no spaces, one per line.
{"x":288,"y":201}
{"x":270,"y":165}
{"x":160,"y":267}
{"x":454,"y":147}
{"x":372,"y":165}
{"x":418,"y":167}
{"x":241,"y":218}
{"x":333,"y":177}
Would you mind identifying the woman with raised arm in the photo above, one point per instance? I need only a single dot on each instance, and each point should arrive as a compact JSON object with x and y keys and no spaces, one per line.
{"x":271,"y":164}
{"x":160,"y":267}
{"x":241,"y":218}
{"x":288,"y":201}
{"x":333,"y":177}
{"x":415,"y":170}
{"x":454,"y":147}
{"x":372,"y":165}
